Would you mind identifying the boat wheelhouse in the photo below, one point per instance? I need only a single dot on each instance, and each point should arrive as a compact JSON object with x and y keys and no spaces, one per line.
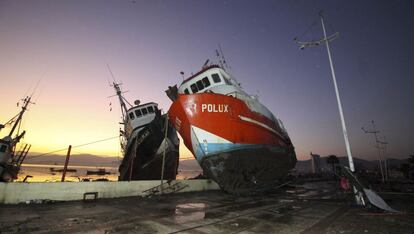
{"x":139,"y":116}
{"x":5,"y":158}
{"x":4,"y":150}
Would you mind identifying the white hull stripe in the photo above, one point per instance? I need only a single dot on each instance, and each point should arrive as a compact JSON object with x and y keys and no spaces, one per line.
{"x":260,"y":124}
{"x":200,"y":139}
{"x":208,"y":137}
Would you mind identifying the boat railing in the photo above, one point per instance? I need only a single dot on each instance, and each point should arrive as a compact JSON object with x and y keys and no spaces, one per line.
{"x":250,"y":102}
{"x":282,"y":127}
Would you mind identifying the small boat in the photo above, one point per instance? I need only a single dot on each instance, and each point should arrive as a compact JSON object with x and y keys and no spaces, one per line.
{"x":149,"y":142}
{"x":10,"y":159}
{"x":237,"y":141}
{"x":100,"y":171}
{"x":52,"y":169}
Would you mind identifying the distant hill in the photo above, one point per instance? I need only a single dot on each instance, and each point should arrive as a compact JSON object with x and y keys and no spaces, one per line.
{"x":305,"y":165}
{"x":94,"y":160}
{"x":75,"y":160}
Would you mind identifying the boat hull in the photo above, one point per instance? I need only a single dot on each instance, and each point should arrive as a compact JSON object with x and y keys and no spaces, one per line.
{"x":241,"y":150}
{"x":143,"y":157}
{"x":8,"y":172}
{"x":249,"y":170}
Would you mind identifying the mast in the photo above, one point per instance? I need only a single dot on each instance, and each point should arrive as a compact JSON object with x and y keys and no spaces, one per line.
{"x":118,"y":92}
{"x":121,"y":99}
{"x":26,"y":102}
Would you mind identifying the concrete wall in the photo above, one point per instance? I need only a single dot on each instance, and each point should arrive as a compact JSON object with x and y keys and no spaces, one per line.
{"x":14,"y":193}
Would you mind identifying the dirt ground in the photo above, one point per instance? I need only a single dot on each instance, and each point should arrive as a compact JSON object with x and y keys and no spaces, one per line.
{"x":307,"y":208}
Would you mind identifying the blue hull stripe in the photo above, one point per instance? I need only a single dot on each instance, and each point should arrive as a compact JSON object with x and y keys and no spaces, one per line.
{"x":207,"y":149}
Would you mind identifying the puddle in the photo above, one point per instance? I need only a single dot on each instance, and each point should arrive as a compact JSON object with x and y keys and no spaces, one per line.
{"x":189,"y":212}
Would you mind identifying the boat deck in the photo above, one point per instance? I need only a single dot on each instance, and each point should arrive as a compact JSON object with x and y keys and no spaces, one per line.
{"x":316,"y":207}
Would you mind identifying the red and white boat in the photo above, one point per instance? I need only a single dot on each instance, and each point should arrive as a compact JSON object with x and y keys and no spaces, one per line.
{"x":237,"y":141}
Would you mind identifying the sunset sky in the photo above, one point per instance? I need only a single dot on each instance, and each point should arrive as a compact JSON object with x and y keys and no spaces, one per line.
{"x":67,"y":44}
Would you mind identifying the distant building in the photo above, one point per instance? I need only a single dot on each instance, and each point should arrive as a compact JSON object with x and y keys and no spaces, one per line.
{"x":315,"y":163}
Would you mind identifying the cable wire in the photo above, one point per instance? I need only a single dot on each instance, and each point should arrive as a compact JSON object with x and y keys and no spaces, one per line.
{"x":306,"y":31}
{"x":76,"y":146}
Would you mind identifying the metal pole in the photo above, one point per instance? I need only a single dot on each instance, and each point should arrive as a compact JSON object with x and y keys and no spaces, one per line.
{"x":386,"y":168}
{"x":20,"y":155}
{"x":379,"y":150}
{"x":385,"y":143}
{"x":163,"y":156}
{"x":66,"y":163}
{"x":24,"y":156}
{"x":377,"y":142}
{"x":348,"y":147}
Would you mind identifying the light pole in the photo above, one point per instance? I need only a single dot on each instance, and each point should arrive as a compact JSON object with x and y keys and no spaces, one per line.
{"x":385,"y":143}
{"x":326,"y":41}
{"x":375,"y":132}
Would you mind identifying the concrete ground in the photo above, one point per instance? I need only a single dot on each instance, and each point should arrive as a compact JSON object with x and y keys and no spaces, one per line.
{"x":308,"y":208}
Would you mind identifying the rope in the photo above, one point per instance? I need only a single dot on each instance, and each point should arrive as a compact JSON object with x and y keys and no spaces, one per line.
{"x":327,"y":23}
{"x":185,"y":158}
{"x":306,"y":31}
{"x":76,"y":146}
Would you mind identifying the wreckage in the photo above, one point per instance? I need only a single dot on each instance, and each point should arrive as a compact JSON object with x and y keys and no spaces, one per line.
{"x":10,"y":158}
{"x":148,"y":141}
{"x":237,"y":141}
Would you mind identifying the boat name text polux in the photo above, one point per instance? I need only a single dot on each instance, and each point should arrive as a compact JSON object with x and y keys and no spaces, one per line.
{"x":214,"y":108}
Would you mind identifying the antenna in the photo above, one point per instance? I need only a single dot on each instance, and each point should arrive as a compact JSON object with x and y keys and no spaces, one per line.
{"x":206,"y":63}
{"x":35,"y":88}
{"x":219,"y":58}
{"x":24,"y":108}
{"x":119,"y":92}
{"x":377,"y":142}
{"x":223,"y":59}
{"x":110,"y":71}
{"x":26,"y":102}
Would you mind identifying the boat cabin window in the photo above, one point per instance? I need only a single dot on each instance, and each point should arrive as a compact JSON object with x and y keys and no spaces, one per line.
{"x":194,"y":88}
{"x":216,"y":78}
{"x":151,"y":109}
{"x":144,"y":111}
{"x":3,"y":148}
{"x":138,"y":113}
{"x":131,"y":115}
{"x":206,"y":82}
{"x":200,"y":85}
{"x":227,"y":81}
